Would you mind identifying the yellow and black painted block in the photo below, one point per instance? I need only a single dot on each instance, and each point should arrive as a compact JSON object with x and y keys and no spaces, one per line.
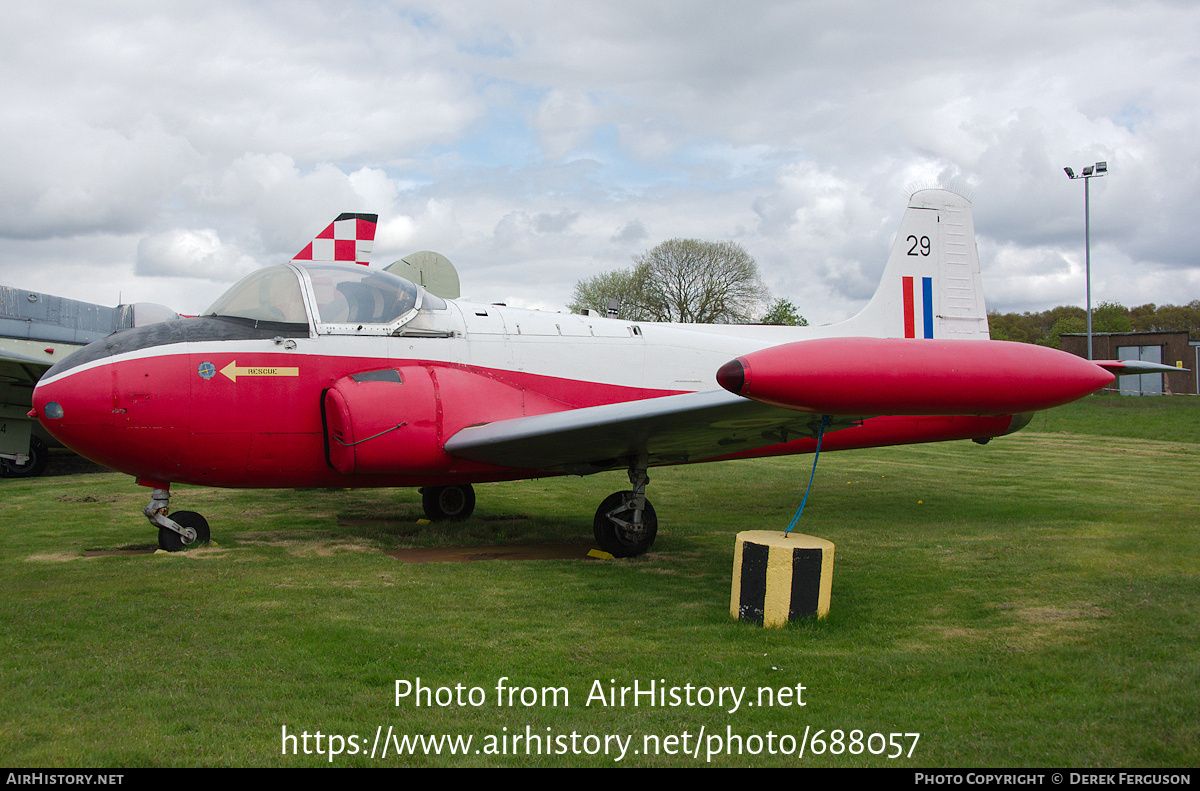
{"x":778,"y":578}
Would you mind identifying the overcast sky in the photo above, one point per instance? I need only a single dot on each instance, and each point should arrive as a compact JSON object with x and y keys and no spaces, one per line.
{"x":159,"y":151}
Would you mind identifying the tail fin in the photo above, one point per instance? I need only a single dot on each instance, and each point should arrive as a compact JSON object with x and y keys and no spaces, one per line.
{"x":931,"y":286}
{"x":347,"y":239}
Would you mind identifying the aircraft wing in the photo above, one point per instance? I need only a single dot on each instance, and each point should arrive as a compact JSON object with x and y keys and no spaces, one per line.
{"x":778,"y":394}
{"x":9,"y":356}
{"x":1133,"y":367}
{"x":20,"y":369}
{"x":18,"y":374}
{"x":668,"y":430}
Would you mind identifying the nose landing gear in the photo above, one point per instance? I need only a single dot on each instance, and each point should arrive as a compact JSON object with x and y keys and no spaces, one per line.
{"x":180,"y":530}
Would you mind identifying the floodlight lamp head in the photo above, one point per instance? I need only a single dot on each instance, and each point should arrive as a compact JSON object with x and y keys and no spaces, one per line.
{"x":1070,"y":173}
{"x":1088,"y":171}
{"x":1101,"y":167}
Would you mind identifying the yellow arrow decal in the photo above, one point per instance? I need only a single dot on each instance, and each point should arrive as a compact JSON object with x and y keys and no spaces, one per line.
{"x":233,"y":371}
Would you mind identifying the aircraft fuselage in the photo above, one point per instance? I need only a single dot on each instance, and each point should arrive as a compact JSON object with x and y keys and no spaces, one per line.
{"x":215,"y":402}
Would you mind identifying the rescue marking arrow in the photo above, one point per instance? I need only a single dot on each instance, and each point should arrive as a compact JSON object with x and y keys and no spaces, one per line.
{"x":233,"y":371}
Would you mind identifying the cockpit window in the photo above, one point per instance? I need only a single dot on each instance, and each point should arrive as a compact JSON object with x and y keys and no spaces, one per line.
{"x":344,"y":295}
{"x":270,"y":294}
{"x":358,"y":295}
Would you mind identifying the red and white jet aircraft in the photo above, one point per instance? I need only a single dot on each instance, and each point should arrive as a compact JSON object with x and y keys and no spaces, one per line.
{"x":318,"y":373}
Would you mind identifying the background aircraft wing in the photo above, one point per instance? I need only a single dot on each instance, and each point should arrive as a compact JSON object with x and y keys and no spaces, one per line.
{"x":18,"y":374}
{"x":8,"y":356}
{"x":668,"y":430}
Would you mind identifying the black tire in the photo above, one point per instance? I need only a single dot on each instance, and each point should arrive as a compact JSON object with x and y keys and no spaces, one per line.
{"x":448,"y":503}
{"x":618,"y":540}
{"x":39,"y":457}
{"x":173,"y":542}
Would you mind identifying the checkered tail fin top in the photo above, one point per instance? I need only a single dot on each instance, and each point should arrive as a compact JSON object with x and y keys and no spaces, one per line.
{"x":347,"y":240}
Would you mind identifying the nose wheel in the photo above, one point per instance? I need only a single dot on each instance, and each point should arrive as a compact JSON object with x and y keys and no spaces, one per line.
{"x":180,"y":530}
{"x":195,"y":532}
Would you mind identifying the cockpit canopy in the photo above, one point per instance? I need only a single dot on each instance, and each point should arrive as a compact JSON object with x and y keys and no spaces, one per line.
{"x":270,"y":294}
{"x":340,"y":296}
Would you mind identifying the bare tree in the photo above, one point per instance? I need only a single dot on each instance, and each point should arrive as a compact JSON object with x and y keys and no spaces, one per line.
{"x":682,"y":280}
{"x":626,"y":286}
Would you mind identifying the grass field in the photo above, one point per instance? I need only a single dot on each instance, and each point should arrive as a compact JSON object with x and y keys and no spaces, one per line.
{"x":1032,"y":602}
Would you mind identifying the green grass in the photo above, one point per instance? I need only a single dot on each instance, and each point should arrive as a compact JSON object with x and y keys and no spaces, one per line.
{"x":1031,"y":602}
{"x":1172,"y":419}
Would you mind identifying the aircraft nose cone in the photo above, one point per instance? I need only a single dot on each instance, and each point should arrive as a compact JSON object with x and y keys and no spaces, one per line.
{"x":76,"y":409}
{"x":125,"y":411}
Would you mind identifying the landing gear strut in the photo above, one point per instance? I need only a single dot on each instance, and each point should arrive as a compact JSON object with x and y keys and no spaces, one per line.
{"x":448,"y":503}
{"x":178,"y":531}
{"x":35,"y":464}
{"x":625,"y":523}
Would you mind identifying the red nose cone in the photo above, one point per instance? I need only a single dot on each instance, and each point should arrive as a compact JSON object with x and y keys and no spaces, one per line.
{"x":732,"y":376}
{"x":77,"y":410}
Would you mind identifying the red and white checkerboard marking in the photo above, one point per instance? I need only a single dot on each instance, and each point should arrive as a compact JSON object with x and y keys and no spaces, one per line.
{"x":348,"y":239}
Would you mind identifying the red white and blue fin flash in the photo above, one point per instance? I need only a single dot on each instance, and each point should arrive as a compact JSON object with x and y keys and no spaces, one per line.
{"x":911,"y":298}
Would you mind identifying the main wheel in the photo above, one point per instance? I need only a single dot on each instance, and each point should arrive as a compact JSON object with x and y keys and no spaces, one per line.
{"x":615,"y":532}
{"x":448,"y":503}
{"x":173,"y":542}
{"x":35,"y":465}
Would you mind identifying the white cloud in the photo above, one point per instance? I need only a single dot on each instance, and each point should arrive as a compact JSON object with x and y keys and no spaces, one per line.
{"x":566,"y":120}
{"x":537,"y":144}
{"x":191,"y":254}
{"x":64,"y":177}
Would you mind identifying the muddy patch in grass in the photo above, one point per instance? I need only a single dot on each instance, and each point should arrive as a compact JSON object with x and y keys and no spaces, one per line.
{"x":469,"y":554}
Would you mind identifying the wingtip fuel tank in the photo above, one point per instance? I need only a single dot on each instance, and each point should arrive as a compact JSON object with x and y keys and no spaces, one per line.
{"x":902,"y":376}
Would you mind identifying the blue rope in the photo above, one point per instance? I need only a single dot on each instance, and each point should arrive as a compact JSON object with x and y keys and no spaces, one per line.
{"x":813,"y":474}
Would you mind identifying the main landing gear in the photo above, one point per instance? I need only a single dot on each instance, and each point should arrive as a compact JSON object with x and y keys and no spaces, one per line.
{"x":448,"y":503}
{"x":178,"y":531}
{"x":625,"y":523}
{"x":35,"y":464}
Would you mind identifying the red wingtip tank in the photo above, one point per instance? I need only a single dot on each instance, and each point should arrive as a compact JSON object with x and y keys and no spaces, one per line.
{"x":902,"y":376}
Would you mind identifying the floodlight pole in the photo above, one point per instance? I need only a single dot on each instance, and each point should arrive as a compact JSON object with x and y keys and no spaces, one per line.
{"x":1090,"y":172}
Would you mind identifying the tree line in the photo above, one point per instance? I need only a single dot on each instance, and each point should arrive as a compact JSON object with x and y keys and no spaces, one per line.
{"x":1047,"y":327}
